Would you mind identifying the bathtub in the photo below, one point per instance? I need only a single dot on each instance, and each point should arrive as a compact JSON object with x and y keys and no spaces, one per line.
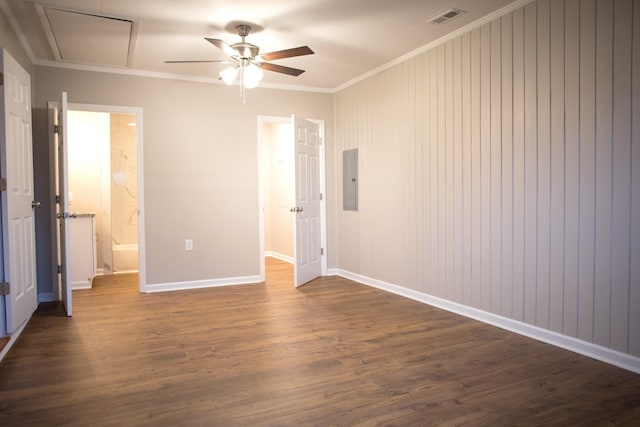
{"x":125,"y":258}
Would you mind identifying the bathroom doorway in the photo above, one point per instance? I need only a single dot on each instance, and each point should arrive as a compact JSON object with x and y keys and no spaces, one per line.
{"x":103,"y":189}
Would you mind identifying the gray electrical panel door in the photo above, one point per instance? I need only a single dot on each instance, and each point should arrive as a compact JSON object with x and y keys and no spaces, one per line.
{"x":350,"y":180}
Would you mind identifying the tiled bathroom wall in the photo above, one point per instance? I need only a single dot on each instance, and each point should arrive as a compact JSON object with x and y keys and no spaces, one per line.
{"x":124,"y":218}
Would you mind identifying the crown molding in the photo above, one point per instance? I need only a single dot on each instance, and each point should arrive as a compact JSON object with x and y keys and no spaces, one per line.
{"x":167,"y":76}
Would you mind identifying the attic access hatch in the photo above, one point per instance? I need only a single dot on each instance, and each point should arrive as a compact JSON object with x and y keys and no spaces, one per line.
{"x":86,"y":38}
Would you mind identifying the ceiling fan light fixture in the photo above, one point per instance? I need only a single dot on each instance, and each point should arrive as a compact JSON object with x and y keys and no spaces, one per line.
{"x":248,"y":62}
{"x":252,"y":76}
{"x":229,"y":75}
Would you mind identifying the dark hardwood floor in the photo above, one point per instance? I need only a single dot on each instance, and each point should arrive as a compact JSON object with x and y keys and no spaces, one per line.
{"x":330,"y":353}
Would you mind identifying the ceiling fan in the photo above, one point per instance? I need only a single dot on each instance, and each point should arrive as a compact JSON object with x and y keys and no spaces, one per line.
{"x":246,"y":60}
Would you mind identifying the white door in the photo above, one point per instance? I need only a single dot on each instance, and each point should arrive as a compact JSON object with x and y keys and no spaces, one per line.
{"x":306,"y":250}
{"x":18,"y":225}
{"x":62,"y":192}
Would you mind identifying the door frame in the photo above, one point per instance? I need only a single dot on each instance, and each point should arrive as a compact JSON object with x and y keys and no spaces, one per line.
{"x":262,"y":120}
{"x":137,"y":111}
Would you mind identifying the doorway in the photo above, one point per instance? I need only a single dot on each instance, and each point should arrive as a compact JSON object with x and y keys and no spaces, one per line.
{"x":104,"y":169}
{"x":102,"y":193}
{"x":277,"y":195}
{"x":277,"y":183}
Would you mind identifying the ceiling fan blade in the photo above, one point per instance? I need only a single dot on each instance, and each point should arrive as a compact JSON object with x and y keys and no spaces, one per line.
{"x":287,"y":53}
{"x":281,"y":69}
{"x":222,"y":45}
{"x":222,"y":61}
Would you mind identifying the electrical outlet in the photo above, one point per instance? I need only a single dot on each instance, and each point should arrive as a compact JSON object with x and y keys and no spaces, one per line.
{"x":188,"y":245}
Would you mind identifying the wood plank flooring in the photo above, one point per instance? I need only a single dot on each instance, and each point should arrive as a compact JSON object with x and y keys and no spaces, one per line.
{"x":330,"y":353}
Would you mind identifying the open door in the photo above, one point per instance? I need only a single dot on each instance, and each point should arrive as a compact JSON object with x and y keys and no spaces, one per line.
{"x":62,"y":196}
{"x":18,"y":205}
{"x":307,"y":243}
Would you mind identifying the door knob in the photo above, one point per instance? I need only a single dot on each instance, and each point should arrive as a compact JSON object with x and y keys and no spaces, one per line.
{"x":299,"y":209}
{"x":35,"y":204}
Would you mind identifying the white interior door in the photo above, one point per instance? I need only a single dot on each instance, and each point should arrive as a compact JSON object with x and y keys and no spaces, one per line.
{"x":18,"y":225}
{"x":307,"y":247}
{"x":62,"y":192}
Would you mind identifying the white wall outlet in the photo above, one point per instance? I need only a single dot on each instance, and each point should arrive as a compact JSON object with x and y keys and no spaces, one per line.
{"x":188,"y":245}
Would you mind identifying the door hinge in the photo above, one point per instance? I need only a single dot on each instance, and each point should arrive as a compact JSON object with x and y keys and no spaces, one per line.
{"x":59,"y":269}
{"x":5,"y":288}
{"x":321,"y":251}
{"x":3,"y":184}
{"x":57,"y":199}
{"x":320,"y":196}
{"x":1,"y":79}
{"x":56,"y":128}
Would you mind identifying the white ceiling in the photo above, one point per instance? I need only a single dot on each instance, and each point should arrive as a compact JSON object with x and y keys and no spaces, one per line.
{"x":349,"y":37}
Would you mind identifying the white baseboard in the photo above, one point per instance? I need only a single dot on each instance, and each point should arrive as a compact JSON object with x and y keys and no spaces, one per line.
{"x":198,"y":284}
{"x":80,"y":285}
{"x":585,"y":348}
{"x":12,"y":339}
{"x":281,"y":257}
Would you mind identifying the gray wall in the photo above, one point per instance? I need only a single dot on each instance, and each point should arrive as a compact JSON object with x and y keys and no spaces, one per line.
{"x":200,"y":164}
{"x":501,"y":170}
{"x":9,"y":41}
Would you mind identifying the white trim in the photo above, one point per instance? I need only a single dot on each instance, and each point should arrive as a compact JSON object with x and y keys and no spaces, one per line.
{"x":607,"y":355}
{"x":12,"y":339}
{"x":281,"y":257}
{"x":333,"y":272}
{"x":80,"y":285}
{"x":323,"y":191}
{"x":53,"y":222}
{"x":100,"y":108}
{"x":460,"y":31}
{"x":199,"y":284}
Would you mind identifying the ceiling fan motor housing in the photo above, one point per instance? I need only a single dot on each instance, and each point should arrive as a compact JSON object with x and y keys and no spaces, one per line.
{"x":246,"y":50}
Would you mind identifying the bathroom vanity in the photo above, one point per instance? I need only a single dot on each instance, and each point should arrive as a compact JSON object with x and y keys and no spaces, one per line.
{"x":82,"y":245}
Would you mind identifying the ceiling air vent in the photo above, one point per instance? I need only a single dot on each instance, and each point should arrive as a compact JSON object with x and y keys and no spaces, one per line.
{"x":446,"y":16}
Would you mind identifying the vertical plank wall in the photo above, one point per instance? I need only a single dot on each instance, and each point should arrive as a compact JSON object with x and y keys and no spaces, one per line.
{"x":501,"y":170}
